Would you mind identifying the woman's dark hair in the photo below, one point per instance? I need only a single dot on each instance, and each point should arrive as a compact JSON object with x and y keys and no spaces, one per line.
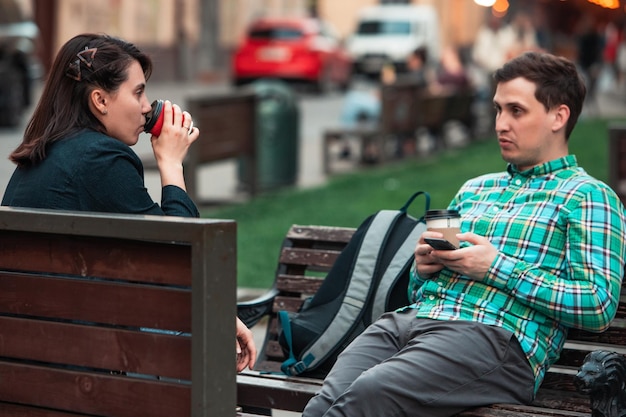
{"x":556,"y":79}
{"x":85,"y":62}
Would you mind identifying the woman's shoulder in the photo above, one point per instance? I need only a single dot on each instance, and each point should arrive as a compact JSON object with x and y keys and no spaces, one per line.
{"x":92,"y":139}
{"x":91,"y":144}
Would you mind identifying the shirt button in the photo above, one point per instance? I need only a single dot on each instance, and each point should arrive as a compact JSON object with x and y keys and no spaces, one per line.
{"x":495,"y":208}
{"x":431,"y":297}
{"x":518,"y":181}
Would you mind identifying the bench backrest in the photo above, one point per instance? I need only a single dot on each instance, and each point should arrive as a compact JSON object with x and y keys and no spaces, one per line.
{"x":308,"y":253}
{"x":228,"y":128}
{"x":405,"y":107}
{"x":116,"y":316}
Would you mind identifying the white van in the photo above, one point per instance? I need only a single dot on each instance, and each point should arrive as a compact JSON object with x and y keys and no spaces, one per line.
{"x":389,"y":33}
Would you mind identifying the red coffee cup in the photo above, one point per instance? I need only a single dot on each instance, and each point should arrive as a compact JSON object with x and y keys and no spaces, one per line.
{"x":154,"y":118}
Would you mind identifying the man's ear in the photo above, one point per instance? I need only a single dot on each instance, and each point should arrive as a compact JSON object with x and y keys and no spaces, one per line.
{"x":98,"y":101}
{"x":561,"y":116}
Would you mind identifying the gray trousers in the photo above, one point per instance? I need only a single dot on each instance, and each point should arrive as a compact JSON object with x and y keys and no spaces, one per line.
{"x":404,"y":366}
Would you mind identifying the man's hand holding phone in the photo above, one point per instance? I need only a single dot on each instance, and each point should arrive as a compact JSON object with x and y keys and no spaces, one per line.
{"x":473,"y":261}
{"x":426,"y":263}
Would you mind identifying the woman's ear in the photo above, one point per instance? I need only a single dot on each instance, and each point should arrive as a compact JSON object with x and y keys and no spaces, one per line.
{"x":98,"y":101}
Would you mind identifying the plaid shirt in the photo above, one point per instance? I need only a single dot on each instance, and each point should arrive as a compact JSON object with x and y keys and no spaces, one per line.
{"x":560,"y":236}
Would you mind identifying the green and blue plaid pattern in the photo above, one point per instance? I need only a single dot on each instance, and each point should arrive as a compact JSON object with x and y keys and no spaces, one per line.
{"x":560,"y":236}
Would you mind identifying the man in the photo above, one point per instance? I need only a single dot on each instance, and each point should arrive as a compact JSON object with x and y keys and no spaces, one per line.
{"x":542,"y":251}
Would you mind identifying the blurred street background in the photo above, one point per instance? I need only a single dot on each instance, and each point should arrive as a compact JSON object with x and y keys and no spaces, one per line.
{"x":206,"y":48}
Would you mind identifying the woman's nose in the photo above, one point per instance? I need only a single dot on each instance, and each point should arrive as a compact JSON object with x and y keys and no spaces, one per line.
{"x":145,"y":105}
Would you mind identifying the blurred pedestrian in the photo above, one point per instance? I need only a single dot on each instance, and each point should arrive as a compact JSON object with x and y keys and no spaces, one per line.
{"x":493,"y":42}
{"x":524,"y":35}
{"x":451,"y":74}
{"x":590,"y":50}
{"x":419,"y":71}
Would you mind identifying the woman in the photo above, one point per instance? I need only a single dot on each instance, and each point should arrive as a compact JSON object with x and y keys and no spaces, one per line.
{"x":76,"y":152}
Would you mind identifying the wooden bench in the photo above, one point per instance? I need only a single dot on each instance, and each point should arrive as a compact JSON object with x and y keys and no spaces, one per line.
{"x":116,"y":315}
{"x":307,"y":254}
{"x":405,"y":108}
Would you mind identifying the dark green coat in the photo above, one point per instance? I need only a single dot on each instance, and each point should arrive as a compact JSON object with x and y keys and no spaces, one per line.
{"x":92,"y":172}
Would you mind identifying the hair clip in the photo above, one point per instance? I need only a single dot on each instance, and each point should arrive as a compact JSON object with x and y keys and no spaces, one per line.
{"x":86,"y":57}
{"x":74,"y":70}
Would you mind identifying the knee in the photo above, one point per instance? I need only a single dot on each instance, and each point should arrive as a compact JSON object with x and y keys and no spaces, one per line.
{"x":366,"y":387}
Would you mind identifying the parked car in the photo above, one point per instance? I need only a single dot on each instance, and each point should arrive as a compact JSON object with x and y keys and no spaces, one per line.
{"x":389,"y":33}
{"x":19,"y":65}
{"x":292,"y":49}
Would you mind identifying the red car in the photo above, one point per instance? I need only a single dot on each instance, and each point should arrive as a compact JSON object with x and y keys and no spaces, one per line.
{"x":292,"y":49}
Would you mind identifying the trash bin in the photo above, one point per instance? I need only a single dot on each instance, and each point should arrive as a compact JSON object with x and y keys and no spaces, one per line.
{"x":277,"y":136}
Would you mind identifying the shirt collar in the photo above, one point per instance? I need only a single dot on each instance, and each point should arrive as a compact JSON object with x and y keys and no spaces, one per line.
{"x":566,"y":162}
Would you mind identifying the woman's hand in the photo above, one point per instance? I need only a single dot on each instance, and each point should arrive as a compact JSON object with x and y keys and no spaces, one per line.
{"x":171,"y":146}
{"x":246,"y":349}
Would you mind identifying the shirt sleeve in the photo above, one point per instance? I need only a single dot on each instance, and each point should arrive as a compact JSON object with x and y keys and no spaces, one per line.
{"x":586,"y":293}
{"x":176,"y":202}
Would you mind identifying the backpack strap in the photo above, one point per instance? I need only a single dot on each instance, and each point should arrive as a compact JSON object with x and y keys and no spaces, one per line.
{"x":406,"y":205}
{"x":401,"y":260}
{"x":355,"y":297}
{"x":291,"y":366}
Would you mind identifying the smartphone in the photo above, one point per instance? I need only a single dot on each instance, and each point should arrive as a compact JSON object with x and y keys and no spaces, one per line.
{"x":439,"y":244}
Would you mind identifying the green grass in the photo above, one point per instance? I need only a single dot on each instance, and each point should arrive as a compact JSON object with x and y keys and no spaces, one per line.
{"x":346,"y":200}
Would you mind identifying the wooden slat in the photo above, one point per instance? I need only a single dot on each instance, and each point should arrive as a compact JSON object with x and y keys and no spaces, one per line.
{"x":102,"y":257}
{"x":308,"y":257}
{"x":616,"y":334}
{"x":518,"y":411}
{"x":96,"y":347}
{"x":96,"y":301}
{"x":286,"y":303}
{"x":101,"y":395}
{"x":14,"y":410}
{"x":298,"y":284}
{"x":267,"y":391}
{"x":556,"y":399}
{"x":321,"y":233}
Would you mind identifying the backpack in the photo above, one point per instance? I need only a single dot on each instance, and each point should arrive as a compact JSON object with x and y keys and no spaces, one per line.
{"x":369,"y":277}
